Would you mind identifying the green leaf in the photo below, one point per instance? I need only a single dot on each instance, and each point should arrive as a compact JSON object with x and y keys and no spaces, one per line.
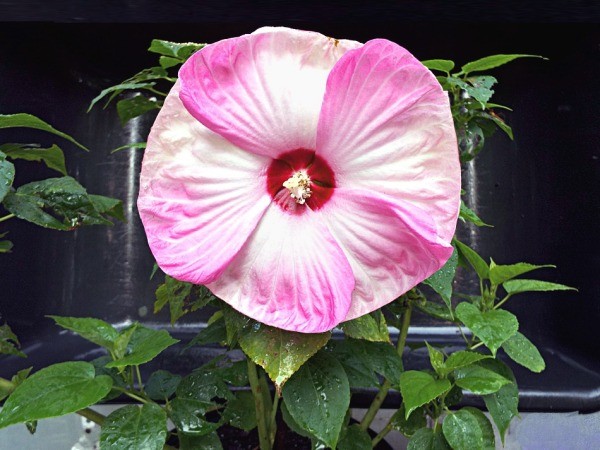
{"x":54,"y":391}
{"x":203,"y":386}
{"x":371,"y":327}
{"x":468,"y":215}
{"x":461,"y":359}
{"x":116,"y":90}
{"x":441,"y":281}
{"x":135,"y":106}
{"x":362,"y":359}
{"x":9,"y":343}
{"x":501,"y":273}
{"x":502,"y":405}
{"x":214,"y":333}
{"x":7,"y":175}
{"x":117,"y":378}
{"x":162,"y":385}
{"x":17,"y":379}
{"x":135,"y":428}
{"x":279,"y":352}
{"x":474,"y":259}
{"x":354,"y":438}
{"x":187,"y":414}
{"x":522,"y":351}
{"x":443,"y":65}
{"x":436,"y":358}
{"x":5,"y":247}
{"x":57,"y":203}
{"x":126,"y":146}
{"x":490,"y":62}
{"x":481,"y":88}
{"x":408,"y":427}
{"x":427,"y":439}
{"x":23,"y":120}
{"x":419,"y":388}
{"x":517,"y":286}
{"x":177,"y":50}
{"x":240,"y":411}
{"x":209,"y":441}
{"x":94,"y":330}
{"x":109,"y":206}
{"x":462,"y":431}
{"x":181,"y":297}
{"x":436,"y":310}
{"x":317,"y":397}
{"x":498,"y":121}
{"x":235,"y":373}
{"x":479,"y":380}
{"x":53,"y":157}
{"x":487,"y":430}
{"x":492,"y":327}
{"x":291,"y":423}
{"x":167,"y":62}
{"x":145,"y":345}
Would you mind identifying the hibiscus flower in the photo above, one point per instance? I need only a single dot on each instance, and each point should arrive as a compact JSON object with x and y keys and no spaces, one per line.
{"x":305,"y":180}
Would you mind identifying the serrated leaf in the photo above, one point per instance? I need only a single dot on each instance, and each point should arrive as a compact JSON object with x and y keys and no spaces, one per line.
{"x":521,"y":285}
{"x":362,"y":359}
{"x":436,"y":358}
{"x":203,"y":386}
{"x":182,"y":297}
{"x":500,"y":123}
{"x":479,"y":380}
{"x":54,"y":391}
{"x":502,"y":405}
{"x":441,"y":281}
{"x":129,"y":108}
{"x":117,"y":89}
{"x":408,"y":427}
{"x":145,"y":344}
{"x":57,"y":203}
{"x":23,"y":120}
{"x":492,"y":327}
{"x":460,"y":359}
{"x":419,"y":388}
{"x":468,"y":215}
{"x":112,"y":207}
{"x":354,"y":438}
{"x":371,"y":327}
{"x":53,"y":157}
{"x":240,"y":411}
{"x":209,"y":441}
{"x":522,"y":351}
{"x":177,"y":50}
{"x":480,"y":266}
{"x":318,"y":396}
{"x":167,"y":62}
{"x":480,"y":88}
{"x":501,"y":273}
{"x":135,"y":428}
{"x":462,"y":431}
{"x":487,"y":430}
{"x":94,"y":330}
{"x":7,"y":175}
{"x":279,"y":352}
{"x":436,"y":310}
{"x":162,"y":384}
{"x":427,"y":439}
{"x":187,"y":414}
{"x":493,"y":61}
{"x":443,"y":65}
{"x":214,"y":333}
{"x":9,"y":343}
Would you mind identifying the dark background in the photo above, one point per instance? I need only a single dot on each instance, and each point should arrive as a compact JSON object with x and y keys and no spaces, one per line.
{"x":541,"y":192}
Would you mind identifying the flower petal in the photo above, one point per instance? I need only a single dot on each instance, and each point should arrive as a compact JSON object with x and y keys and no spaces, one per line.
{"x":262,"y":91}
{"x":200,"y":196}
{"x":386,"y":126}
{"x":391,"y":245}
{"x":291,"y":274}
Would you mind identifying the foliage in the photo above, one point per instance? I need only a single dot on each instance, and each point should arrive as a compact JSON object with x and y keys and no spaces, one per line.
{"x":313,"y":375}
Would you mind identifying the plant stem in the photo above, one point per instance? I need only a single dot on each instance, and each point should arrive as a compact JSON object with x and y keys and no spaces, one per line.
{"x":6,"y":385}
{"x":273,"y":423}
{"x":9,"y":216}
{"x":92,"y":415}
{"x":473,"y":347}
{"x":385,"y":387}
{"x":259,"y":405}
{"x":383,"y":433}
{"x":502,"y":302}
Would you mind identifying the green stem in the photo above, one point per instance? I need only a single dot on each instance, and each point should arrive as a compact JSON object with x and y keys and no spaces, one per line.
{"x":133,"y":395}
{"x":92,"y":415}
{"x":139,"y":378}
{"x":385,"y":387}
{"x":502,"y":302}
{"x":273,"y":422}
{"x":9,"y":216}
{"x":383,"y":433}
{"x":6,"y":385}
{"x":259,"y":405}
{"x":473,"y":347}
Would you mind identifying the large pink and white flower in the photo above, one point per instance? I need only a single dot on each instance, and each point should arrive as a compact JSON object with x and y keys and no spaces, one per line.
{"x":305,"y":180}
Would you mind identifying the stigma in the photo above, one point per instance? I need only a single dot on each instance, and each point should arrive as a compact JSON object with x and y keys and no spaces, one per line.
{"x":299,"y":187}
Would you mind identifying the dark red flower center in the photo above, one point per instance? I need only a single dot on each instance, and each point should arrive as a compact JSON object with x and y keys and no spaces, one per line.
{"x":300,"y":164}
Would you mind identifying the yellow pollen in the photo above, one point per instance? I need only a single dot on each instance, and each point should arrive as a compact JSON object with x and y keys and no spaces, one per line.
{"x":299,"y":187}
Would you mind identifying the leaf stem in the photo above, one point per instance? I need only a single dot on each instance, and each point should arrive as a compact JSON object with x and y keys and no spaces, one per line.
{"x":385,"y":387}
{"x":263,"y":434}
{"x":273,"y":423}
{"x":383,"y":433}
{"x":9,"y":216}
{"x":92,"y":415}
{"x":139,"y":378}
{"x":502,"y":302}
